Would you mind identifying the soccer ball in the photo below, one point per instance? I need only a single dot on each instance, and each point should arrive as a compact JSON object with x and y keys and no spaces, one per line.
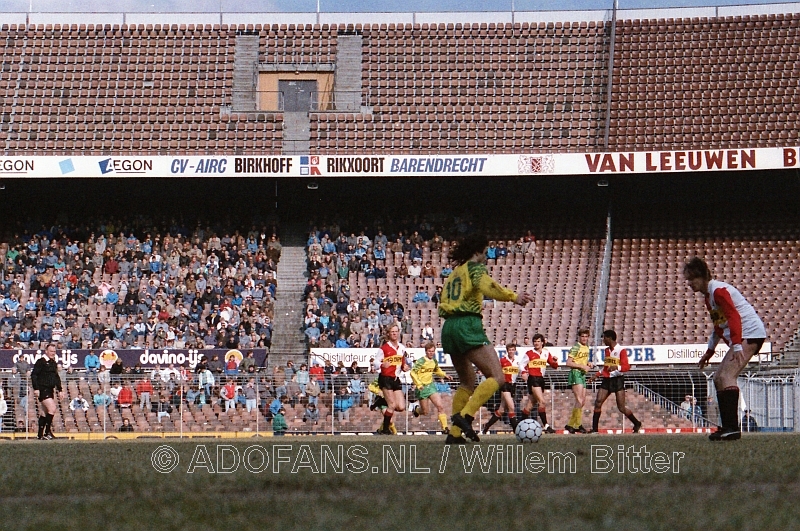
{"x":528,"y":431}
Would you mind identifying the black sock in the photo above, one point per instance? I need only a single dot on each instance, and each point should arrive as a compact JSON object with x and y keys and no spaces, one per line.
{"x":42,"y":423}
{"x":543,"y":416}
{"x":728,"y":400}
{"x":596,"y":420}
{"x":494,"y":418}
{"x":49,"y":425}
{"x":632,"y":417}
{"x":387,"y":420}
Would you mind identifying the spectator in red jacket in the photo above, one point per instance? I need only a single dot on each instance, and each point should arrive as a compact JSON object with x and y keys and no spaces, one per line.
{"x":317,"y":373}
{"x":228,"y":392}
{"x":144,"y":389}
{"x":125,"y":397}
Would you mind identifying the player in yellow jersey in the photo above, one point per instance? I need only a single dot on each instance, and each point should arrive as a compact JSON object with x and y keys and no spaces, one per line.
{"x":463,"y":336}
{"x":578,"y":362}
{"x":422,"y":373}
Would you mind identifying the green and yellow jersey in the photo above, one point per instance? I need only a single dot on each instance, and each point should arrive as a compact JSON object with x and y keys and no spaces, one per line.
{"x":423,"y":371}
{"x":579,"y":354}
{"x":465,"y":289}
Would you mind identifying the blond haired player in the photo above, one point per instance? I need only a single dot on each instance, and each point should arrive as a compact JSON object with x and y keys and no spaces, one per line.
{"x":422,"y":373}
{"x":578,"y":362}
{"x":393,"y":356}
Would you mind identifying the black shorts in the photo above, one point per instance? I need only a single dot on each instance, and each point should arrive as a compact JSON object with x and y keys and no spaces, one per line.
{"x":535,"y":381}
{"x":47,"y":392}
{"x":612,"y":385}
{"x":390,"y":383}
{"x":506,"y":387}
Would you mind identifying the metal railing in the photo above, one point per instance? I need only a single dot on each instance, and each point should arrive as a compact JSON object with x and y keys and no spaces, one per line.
{"x":317,"y":101}
{"x":772,"y":400}
{"x":698,"y":421}
{"x":199,"y":409}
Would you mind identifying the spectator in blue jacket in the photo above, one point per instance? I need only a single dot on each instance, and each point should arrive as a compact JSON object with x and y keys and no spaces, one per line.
{"x":112,"y":297}
{"x":357,"y":389}
{"x":421,"y":295}
{"x":276,"y":405}
{"x":342,"y":404}
{"x":491,"y":251}
{"x":342,"y":342}
{"x":45,"y":334}
{"x":92,"y":363}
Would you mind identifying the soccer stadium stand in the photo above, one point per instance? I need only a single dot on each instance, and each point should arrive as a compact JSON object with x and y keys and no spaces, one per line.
{"x":422,"y":88}
{"x":737,"y":74}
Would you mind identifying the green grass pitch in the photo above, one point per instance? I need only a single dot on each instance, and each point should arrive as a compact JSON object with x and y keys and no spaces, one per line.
{"x":750,"y":484}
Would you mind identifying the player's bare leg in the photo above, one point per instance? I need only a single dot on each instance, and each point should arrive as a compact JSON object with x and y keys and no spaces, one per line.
{"x":507,"y":406}
{"x":579,"y":391}
{"x":620,"y":396}
{"x":50,"y":408}
{"x":423,"y":407}
{"x":395,"y":402}
{"x":602,"y":395}
{"x":436,"y":400}
{"x":536,"y":399}
{"x":728,"y":391}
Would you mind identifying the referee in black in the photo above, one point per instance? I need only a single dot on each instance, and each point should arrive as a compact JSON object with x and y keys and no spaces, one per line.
{"x":46,"y":383}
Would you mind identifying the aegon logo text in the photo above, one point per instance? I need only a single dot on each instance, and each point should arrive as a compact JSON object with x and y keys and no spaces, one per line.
{"x":135,"y":166}
{"x":15,"y":166}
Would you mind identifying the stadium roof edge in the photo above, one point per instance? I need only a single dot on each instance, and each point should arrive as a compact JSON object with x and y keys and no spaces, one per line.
{"x":386,"y":18}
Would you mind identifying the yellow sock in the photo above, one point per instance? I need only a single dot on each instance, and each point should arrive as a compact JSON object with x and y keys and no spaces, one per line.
{"x":443,"y":420}
{"x":482,"y":393}
{"x":393,"y":428}
{"x":460,"y":399}
{"x":575,"y":417}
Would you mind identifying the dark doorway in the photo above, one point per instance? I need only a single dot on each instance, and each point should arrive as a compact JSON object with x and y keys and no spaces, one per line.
{"x":298,"y":96}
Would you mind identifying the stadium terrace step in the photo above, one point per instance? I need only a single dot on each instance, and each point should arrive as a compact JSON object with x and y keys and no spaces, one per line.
{"x":347,"y":82}
{"x":288,"y":340}
{"x":244,"y":73}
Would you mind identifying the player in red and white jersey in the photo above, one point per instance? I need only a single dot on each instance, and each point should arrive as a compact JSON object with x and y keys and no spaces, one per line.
{"x":538,"y":360}
{"x":511,"y":370}
{"x":615,"y":365}
{"x":394,"y":355}
{"x":738,"y":325}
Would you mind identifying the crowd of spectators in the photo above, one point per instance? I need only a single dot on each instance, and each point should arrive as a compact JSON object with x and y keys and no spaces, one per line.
{"x":118,"y":288}
{"x":332,"y":318}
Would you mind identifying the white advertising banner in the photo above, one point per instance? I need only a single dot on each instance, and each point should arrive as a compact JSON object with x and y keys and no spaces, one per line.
{"x":402,"y":165}
{"x":638,"y":355}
